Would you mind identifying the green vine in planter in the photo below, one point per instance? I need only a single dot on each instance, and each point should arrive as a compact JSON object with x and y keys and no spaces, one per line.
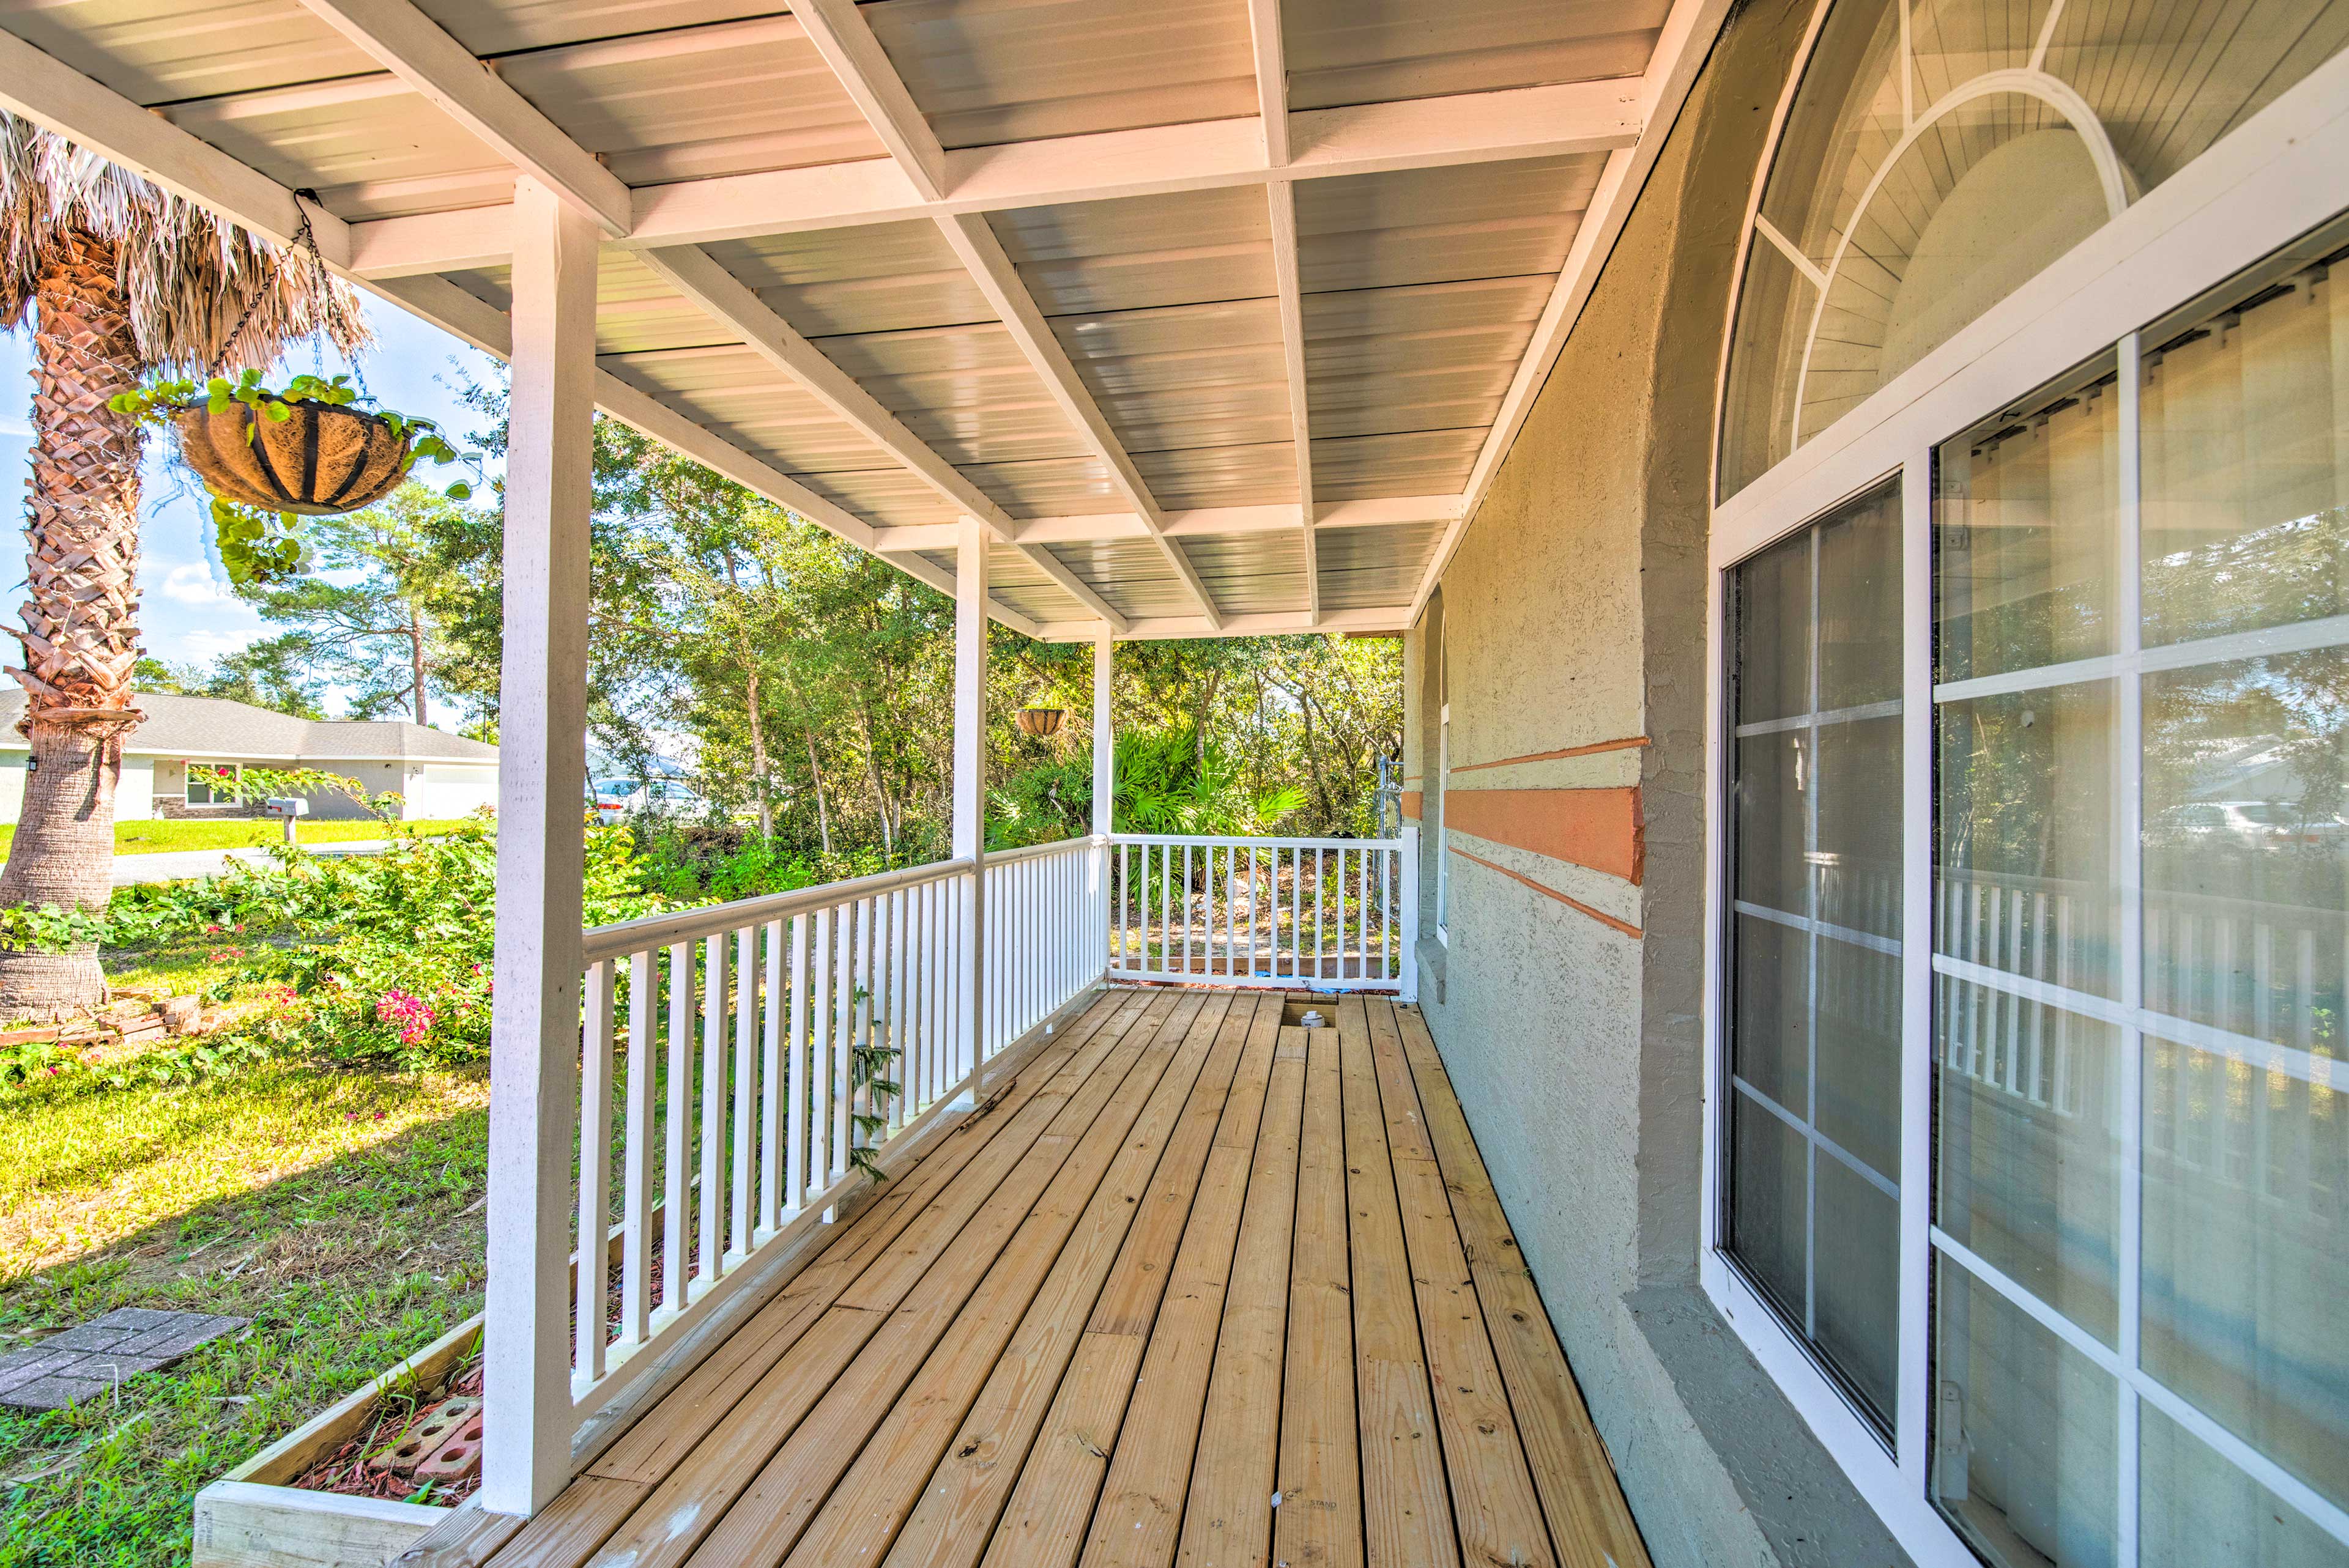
{"x":258,"y":546}
{"x":867,"y":1062}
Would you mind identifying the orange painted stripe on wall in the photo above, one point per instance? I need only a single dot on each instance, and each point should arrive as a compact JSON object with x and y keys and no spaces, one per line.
{"x":1411,"y":798}
{"x":1629,"y":743}
{"x":1599,"y":829}
{"x":1575,"y":904}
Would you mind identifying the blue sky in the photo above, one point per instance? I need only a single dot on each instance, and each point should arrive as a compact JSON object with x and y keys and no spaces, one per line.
{"x":189,"y":617}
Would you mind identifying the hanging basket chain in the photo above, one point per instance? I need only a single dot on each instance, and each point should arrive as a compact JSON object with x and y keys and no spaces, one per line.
{"x":307,"y":242}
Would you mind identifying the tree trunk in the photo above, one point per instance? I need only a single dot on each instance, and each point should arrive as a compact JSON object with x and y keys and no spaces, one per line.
{"x":758,"y":755}
{"x":80,"y":637}
{"x":815,"y":772}
{"x":415,"y":635}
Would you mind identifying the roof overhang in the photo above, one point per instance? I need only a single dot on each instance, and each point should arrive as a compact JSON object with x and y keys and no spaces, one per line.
{"x":1217,"y":327}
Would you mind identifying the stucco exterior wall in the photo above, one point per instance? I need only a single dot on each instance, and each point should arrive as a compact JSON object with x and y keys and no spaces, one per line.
{"x":1569,"y":638}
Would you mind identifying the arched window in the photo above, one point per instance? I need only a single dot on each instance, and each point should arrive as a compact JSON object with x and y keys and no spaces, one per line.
{"x":1938,"y":153}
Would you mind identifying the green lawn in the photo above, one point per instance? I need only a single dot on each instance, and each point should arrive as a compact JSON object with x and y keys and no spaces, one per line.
{"x":151,"y":838}
{"x":340,"y":1211}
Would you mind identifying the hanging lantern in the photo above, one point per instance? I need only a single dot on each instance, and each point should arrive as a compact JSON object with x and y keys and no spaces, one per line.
{"x":1040,"y":722}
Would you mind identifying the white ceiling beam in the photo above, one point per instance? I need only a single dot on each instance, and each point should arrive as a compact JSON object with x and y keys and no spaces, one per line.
{"x":1271,"y":78}
{"x":1377,"y":618}
{"x":1283,"y":201}
{"x":991,"y":268}
{"x":726,"y":299}
{"x":1281,"y":196}
{"x":1205,"y":522}
{"x":451,"y":308}
{"x":57,"y":97}
{"x":1366,"y":139}
{"x":416,"y":50}
{"x":841,"y":34}
{"x":845,"y":41}
{"x":1688,"y":30}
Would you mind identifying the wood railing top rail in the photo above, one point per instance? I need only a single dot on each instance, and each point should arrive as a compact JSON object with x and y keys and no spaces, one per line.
{"x":607,"y":942}
{"x":1267,"y":840}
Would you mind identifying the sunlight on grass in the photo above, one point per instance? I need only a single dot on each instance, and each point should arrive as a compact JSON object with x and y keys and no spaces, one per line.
{"x":161,"y":834}
{"x":86,"y":1166}
{"x":340,"y":1211}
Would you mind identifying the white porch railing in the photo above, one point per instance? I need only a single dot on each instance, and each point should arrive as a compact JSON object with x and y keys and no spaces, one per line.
{"x":735,"y":1060}
{"x":1324,"y":914}
{"x":743,"y":1051}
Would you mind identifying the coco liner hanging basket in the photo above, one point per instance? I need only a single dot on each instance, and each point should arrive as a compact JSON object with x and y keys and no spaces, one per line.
{"x":320,"y":461}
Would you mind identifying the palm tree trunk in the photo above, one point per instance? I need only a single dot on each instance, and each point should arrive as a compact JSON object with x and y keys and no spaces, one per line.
{"x":80,"y":637}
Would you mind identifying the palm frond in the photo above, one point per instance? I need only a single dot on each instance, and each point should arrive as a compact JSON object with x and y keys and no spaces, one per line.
{"x":186,"y":273}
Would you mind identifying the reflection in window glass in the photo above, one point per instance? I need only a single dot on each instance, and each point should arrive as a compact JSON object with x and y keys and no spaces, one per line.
{"x":1922,"y":194}
{"x":1813,"y":1205}
{"x":2247,"y":1253}
{"x":2024,"y":1433}
{"x":2029,"y":1151}
{"x":2025,"y":881}
{"x":2026,"y":514}
{"x":2246,"y":499}
{"x":2196,"y":1509}
{"x":2142,"y":913}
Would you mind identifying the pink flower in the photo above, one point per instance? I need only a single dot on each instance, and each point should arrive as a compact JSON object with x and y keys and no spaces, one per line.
{"x":408,"y":1014}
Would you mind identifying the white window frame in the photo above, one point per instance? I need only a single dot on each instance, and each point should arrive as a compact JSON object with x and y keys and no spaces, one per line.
{"x":188,"y":781}
{"x":2274,"y":178}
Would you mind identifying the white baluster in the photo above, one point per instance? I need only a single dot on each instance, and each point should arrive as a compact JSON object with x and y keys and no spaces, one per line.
{"x":636,"y":1149}
{"x":595,"y":1171}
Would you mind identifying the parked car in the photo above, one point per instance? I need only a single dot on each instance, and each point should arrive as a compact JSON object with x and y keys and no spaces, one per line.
{"x":617,"y":798}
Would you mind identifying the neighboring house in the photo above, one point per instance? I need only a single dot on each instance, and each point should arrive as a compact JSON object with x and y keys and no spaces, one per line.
{"x":437,"y":775}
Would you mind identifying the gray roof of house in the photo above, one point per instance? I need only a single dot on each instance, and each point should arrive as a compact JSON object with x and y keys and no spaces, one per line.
{"x":216,"y":727}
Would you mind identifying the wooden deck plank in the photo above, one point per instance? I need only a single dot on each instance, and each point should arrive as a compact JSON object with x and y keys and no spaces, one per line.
{"x":949,"y":1526}
{"x":1140,"y":1512}
{"x":695,"y":1497}
{"x":1190,"y":1259}
{"x":1011,"y":1243}
{"x":662,"y":1437}
{"x":1044,"y":1521}
{"x":1227,"y":1517}
{"x":1406,"y":1507}
{"x":1588,"y":1520}
{"x":573,"y":1524}
{"x":862,"y":1516}
{"x":1319,"y":1521}
{"x":1494,"y":1506}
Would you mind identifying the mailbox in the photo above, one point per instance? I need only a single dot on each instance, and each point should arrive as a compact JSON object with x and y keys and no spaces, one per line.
{"x":289,"y":810}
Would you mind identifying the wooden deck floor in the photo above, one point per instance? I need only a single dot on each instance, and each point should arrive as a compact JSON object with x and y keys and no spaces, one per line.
{"x":1196,"y":1288}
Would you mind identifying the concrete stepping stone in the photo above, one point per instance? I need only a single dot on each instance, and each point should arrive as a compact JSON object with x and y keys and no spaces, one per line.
{"x":64,"y":1369}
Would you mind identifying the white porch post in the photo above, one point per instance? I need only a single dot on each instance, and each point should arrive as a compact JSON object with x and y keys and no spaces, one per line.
{"x":971,"y":776}
{"x":1104,"y":733}
{"x":1104,"y":784}
{"x":543,"y":714}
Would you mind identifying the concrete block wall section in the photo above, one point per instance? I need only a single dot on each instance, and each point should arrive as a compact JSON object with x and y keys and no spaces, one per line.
{"x":1568,"y":637}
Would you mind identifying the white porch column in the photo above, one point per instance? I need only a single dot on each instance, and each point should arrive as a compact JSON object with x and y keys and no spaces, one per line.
{"x":970,"y":774}
{"x":543,"y":716}
{"x":1104,"y":733}
{"x":1104,"y":858}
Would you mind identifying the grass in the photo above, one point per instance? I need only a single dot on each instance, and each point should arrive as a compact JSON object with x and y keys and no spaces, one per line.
{"x":340,"y":1211}
{"x":161,"y":834}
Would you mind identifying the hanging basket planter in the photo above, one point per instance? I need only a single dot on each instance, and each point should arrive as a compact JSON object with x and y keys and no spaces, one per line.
{"x":1040,"y":722}
{"x":322,"y":460}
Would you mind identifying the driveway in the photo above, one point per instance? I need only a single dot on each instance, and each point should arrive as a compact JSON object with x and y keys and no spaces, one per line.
{"x":176,"y":865}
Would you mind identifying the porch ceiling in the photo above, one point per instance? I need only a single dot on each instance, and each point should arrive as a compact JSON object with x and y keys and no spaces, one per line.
{"x":1195,"y":1287}
{"x":1218,"y":314}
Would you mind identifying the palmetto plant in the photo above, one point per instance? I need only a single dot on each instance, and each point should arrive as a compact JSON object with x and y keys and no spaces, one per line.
{"x":118,"y":279}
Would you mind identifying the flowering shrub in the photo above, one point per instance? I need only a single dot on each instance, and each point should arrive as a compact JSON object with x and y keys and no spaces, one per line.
{"x":378,"y":959}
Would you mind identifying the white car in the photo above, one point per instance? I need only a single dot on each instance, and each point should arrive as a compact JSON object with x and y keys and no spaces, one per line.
{"x":617,"y":798}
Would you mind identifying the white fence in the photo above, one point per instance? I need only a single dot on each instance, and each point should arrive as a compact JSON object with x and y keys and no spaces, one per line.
{"x":739,"y":1063}
{"x":1323,"y":914}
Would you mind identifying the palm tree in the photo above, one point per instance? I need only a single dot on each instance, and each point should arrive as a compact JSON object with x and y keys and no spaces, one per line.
{"x":120,"y":280}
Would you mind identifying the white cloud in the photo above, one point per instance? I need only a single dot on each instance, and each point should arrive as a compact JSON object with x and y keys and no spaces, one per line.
{"x":193,"y":582}
{"x":11,"y":425}
{"x":206,"y":643}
